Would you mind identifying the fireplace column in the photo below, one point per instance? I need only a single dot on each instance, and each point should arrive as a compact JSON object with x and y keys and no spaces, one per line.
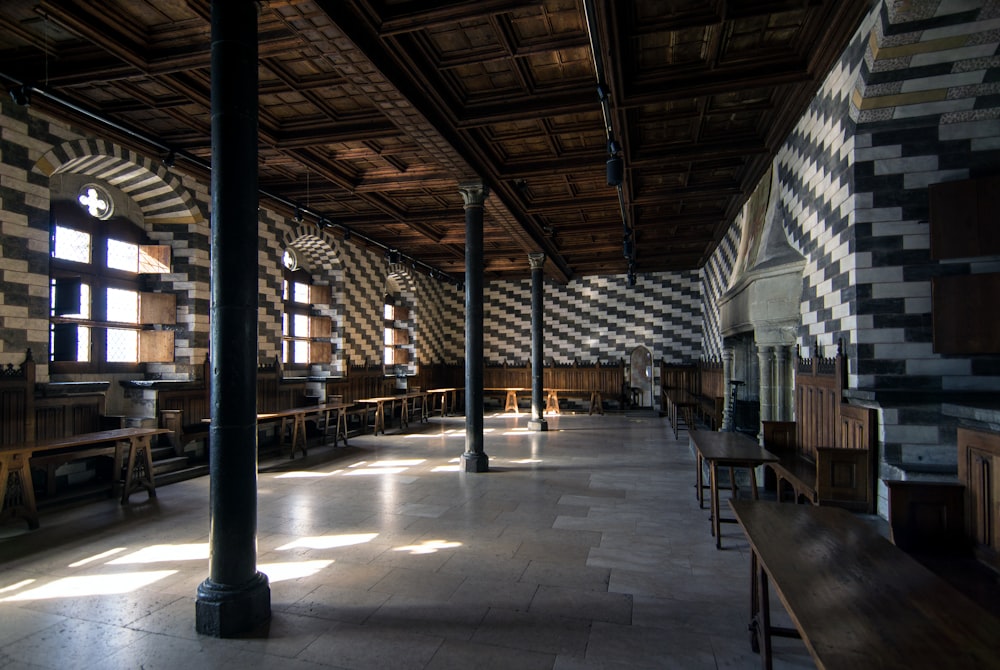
{"x":729,"y":409}
{"x":765,"y":357}
{"x":782,"y":386}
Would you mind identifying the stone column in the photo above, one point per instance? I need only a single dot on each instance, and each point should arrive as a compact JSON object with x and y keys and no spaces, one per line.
{"x":537,"y":422}
{"x":765,"y":356}
{"x":728,"y":419}
{"x":235,"y":598}
{"x":474,"y":458}
{"x":781,"y":387}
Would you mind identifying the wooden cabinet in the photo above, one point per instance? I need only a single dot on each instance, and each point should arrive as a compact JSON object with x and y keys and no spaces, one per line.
{"x":978,"y":469}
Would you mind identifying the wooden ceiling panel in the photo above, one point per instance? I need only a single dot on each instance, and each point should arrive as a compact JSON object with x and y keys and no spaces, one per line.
{"x":372,"y":111}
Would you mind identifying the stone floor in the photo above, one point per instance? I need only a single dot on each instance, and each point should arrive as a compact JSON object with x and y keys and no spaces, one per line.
{"x":582,"y":548}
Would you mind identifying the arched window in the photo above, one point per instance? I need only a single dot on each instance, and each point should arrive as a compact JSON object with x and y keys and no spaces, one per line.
{"x":305,"y":337}
{"x":397,"y":340}
{"x":102,"y":318}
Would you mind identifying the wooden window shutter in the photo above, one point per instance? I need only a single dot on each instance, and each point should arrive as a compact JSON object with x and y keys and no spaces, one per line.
{"x":154,"y":258}
{"x":320,"y":326}
{"x":320,"y":352}
{"x":320,"y":294}
{"x":157,"y":308}
{"x":156,"y":346}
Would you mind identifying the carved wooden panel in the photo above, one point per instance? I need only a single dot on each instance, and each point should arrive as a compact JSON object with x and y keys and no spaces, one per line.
{"x":978,"y":469}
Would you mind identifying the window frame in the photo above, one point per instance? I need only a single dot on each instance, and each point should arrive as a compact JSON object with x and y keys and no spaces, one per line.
{"x":291,"y":309}
{"x":100,"y":277}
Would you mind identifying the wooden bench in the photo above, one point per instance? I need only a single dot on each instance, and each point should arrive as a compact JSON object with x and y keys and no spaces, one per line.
{"x":694,"y":392}
{"x":593,"y":396}
{"x":129,"y":447}
{"x":826,"y":455}
{"x":856,"y":600}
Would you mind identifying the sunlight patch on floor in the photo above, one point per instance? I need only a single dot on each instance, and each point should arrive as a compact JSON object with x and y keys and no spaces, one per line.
{"x":328,"y":541}
{"x":91,"y":585}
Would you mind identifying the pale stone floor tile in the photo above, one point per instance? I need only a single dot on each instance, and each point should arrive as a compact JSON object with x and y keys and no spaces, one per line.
{"x":575,"y":575}
{"x":339,"y":604}
{"x":434,"y":618}
{"x":589,"y":605}
{"x":532,"y":632}
{"x":498,"y":594}
{"x":461,"y":655}
{"x":365,"y":647}
{"x":566,"y":556}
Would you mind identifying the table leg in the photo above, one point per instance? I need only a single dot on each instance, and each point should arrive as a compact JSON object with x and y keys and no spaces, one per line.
{"x":714,"y":493}
{"x":17,"y":493}
{"x":699,"y":483}
{"x":298,"y":431}
{"x":139,"y":471}
{"x":380,"y":417}
{"x":511,"y":404}
{"x":764,"y":617}
{"x":754,"y":493}
{"x":552,"y":402}
{"x":341,"y":430}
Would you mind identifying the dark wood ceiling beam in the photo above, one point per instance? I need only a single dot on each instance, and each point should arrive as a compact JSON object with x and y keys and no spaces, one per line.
{"x":434,"y":15}
{"x":727,"y":79}
{"x":529,"y":108}
{"x":316,"y":134}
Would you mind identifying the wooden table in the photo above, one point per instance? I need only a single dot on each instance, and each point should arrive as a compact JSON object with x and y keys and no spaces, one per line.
{"x":732,"y":450}
{"x":856,"y":600}
{"x":448,"y":396}
{"x":404,"y":414}
{"x":133,"y":466}
{"x":510,"y":403}
{"x":297,"y":417}
{"x":685,"y":403}
{"x":552,"y":399}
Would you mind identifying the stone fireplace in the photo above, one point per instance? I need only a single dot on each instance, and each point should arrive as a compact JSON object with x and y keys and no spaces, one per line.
{"x":760,"y":317}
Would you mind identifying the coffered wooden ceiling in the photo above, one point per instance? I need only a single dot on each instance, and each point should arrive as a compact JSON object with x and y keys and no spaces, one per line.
{"x":372,"y":111}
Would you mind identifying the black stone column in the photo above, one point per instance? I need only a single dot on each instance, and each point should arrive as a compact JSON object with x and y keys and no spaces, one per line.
{"x":537,"y":421}
{"x":235,"y":598}
{"x":474,"y":458}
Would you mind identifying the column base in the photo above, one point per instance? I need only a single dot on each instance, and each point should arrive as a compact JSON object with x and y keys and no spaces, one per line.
{"x":226,"y":611}
{"x":538,"y":424}
{"x":474,"y":462}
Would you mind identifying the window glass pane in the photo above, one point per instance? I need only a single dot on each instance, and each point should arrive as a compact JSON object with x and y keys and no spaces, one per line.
{"x":83,"y":344}
{"x":387,"y":313}
{"x":123,"y":256}
{"x":284,"y":290}
{"x":387,"y":337}
{"x":284,"y":325}
{"x":123,"y":306}
{"x":300,"y":293}
{"x":301,"y":325}
{"x":388,"y":355}
{"x":123,"y":345}
{"x":284,"y":351}
{"x":72,"y":245}
{"x":301,"y":351}
{"x":84,"y":300}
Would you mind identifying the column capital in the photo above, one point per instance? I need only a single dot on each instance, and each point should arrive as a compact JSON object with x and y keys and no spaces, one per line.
{"x":537,"y":260}
{"x":474,"y":194}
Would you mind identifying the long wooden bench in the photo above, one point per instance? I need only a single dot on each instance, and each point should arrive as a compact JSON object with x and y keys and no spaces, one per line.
{"x":855,"y":600}
{"x":827,"y":453}
{"x":129,"y":448}
{"x":592,"y":382}
{"x":59,"y":410}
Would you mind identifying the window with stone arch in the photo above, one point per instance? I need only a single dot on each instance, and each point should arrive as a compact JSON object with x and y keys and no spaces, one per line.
{"x":105,"y":315}
{"x":399,"y":351}
{"x":305,"y":334}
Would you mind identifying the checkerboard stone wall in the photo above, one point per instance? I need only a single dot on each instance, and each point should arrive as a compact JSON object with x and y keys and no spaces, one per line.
{"x":597,"y":318}
{"x":913,"y":101}
{"x":928,"y":111}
